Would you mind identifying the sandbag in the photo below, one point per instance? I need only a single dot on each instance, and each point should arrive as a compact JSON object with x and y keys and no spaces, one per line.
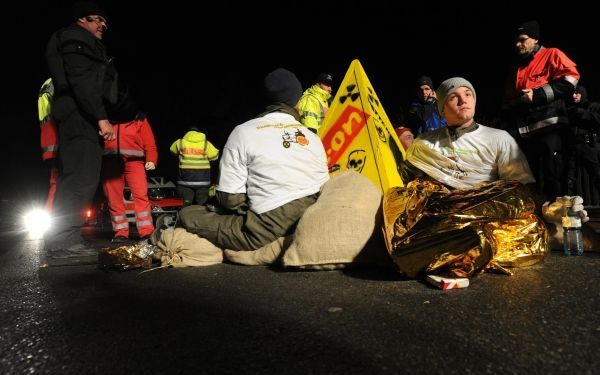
{"x":180,"y":248}
{"x":333,"y":232}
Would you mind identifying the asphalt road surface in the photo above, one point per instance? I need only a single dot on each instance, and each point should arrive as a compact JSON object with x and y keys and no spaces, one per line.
{"x":228,"y":319}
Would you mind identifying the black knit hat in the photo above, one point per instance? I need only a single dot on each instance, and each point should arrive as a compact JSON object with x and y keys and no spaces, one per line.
{"x":325,"y":78}
{"x":582,"y":90}
{"x":282,"y":86}
{"x":86,"y":8}
{"x":529,"y":28}
{"x":424,"y":80}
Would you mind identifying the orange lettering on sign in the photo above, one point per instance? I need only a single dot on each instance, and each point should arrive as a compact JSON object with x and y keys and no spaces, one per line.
{"x":342,"y":133}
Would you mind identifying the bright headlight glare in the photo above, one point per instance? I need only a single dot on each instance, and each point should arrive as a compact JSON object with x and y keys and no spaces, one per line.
{"x":37,"y":221}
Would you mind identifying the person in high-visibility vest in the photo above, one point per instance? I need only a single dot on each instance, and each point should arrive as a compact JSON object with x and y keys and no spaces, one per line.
{"x":126,"y":160}
{"x":195,"y":155}
{"x":48,"y":138}
{"x":314,"y":103}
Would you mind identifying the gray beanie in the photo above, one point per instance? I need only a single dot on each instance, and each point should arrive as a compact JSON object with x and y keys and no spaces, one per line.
{"x":447,"y":87}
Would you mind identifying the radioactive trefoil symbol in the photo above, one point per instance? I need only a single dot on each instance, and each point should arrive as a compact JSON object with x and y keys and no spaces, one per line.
{"x":350,"y":93}
{"x":374,"y":104}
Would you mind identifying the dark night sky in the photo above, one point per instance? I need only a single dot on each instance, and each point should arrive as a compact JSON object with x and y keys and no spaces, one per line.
{"x":184,"y":70}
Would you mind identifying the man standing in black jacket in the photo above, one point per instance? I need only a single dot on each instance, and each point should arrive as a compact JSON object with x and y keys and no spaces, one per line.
{"x":584,"y":146}
{"x":85,"y":84}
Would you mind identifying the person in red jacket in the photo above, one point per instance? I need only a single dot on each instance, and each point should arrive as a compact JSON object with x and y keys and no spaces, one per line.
{"x":534,"y":107}
{"x":127,"y":158}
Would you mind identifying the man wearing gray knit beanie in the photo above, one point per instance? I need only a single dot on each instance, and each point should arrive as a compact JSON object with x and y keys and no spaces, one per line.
{"x":464,"y":153}
{"x":447,"y":87}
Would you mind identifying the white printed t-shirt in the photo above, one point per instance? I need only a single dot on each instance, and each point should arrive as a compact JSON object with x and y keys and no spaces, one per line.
{"x":274,"y":160}
{"x":482,"y":155}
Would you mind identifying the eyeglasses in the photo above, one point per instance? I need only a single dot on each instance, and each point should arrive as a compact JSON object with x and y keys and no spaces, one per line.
{"x":97,"y":19}
{"x":522,"y":40}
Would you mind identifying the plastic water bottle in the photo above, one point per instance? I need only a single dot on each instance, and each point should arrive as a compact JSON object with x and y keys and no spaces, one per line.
{"x":572,"y":237}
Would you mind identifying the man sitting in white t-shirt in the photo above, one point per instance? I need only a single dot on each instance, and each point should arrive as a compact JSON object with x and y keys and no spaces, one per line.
{"x":271,"y":171}
{"x":466,"y":153}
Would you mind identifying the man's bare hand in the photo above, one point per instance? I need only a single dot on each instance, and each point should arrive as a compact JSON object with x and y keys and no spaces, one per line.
{"x":527,"y":96}
{"x":106,"y":130}
{"x":553,"y":212}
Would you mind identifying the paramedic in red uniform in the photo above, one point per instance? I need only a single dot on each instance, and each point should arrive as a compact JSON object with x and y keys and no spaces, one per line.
{"x":126,"y":160}
{"x":535,"y":107}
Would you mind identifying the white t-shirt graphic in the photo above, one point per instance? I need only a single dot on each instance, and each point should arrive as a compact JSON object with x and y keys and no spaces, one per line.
{"x":482,"y":155}
{"x":274,"y":160}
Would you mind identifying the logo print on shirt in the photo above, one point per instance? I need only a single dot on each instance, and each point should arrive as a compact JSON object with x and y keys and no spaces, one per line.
{"x":298,"y":137}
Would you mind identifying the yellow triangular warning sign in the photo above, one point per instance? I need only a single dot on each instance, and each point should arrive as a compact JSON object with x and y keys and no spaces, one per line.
{"x":357,"y":133}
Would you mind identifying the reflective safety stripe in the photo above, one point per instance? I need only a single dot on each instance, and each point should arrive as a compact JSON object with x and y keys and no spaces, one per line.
{"x":143,"y":223}
{"x":572,"y":80}
{"x":125,"y":151}
{"x":193,"y":183}
{"x":526,"y":131}
{"x":118,"y":218}
{"x":112,"y":151}
{"x":50,"y":148}
{"x":311,"y":114}
{"x":120,"y":226}
{"x":204,"y":164}
{"x":549,"y":92}
{"x":320,"y":107}
{"x":143,"y":214}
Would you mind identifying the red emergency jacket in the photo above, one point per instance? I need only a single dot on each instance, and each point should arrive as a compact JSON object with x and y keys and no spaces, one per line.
{"x":48,"y":138}
{"x":552,"y":76}
{"x":135,"y":141}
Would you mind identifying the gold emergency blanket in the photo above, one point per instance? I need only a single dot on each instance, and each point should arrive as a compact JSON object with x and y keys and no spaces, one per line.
{"x":126,"y":257}
{"x":430,"y":229}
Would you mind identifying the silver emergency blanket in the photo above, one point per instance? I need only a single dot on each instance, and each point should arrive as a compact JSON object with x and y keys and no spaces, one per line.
{"x":126,"y":257}
{"x":432,"y":230}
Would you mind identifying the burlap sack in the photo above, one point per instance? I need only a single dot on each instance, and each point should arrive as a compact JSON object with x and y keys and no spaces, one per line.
{"x":180,"y":248}
{"x":266,"y":255}
{"x":333,"y":232}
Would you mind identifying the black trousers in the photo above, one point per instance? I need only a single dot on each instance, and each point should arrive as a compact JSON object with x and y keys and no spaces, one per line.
{"x":584,"y":168}
{"x":547,"y":159}
{"x":193,"y":195}
{"x":80,"y":161}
